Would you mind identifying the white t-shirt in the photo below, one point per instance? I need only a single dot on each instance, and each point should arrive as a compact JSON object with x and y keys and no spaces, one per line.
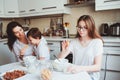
{"x":85,"y":56}
{"x":42,"y":49}
{"x":17,"y":46}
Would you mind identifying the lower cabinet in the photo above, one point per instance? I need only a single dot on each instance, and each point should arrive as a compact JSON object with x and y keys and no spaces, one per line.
{"x":55,"y":48}
{"x":110,"y":62}
{"x":111,"y":75}
{"x":6,"y":56}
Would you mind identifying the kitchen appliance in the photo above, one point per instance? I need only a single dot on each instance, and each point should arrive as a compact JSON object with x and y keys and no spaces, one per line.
{"x":115,"y":29}
{"x":104,"y":29}
{"x":1,"y":25}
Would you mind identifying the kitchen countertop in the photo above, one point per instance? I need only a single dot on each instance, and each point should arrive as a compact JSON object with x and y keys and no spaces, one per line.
{"x":111,"y":39}
{"x":54,"y":38}
{"x":106,"y":39}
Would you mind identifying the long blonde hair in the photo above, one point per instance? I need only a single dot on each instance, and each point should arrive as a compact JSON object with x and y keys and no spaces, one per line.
{"x":90,"y":25}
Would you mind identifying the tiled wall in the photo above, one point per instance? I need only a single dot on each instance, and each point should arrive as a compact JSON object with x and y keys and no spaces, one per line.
{"x":109,"y":16}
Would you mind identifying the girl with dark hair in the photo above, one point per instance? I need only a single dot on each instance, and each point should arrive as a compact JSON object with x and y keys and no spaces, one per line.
{"x":17,"y":41}
{"x":87,"y":48}
{"x":41,"y":48}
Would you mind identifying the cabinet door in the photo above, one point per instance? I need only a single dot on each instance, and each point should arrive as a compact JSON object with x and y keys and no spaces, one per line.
{"x":11,"y":8}
{"x":54,"y":48}
{"x":23,"y":6}
{"x":6,"y":56}
{"x":28,"y":7}
{"x":113,"y":63}
{"x":52,"y":6}
{"x":112,"y":75}
{"x":1,"y":8}
{"x":103,"y":62}
{"x":107,"y":4}
{"x":102,"y":75}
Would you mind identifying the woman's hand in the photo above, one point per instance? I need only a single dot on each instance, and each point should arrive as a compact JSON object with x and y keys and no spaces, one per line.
{"x":74,"y":69}
{"x":65,"y":45}
{"x":22,"y":51}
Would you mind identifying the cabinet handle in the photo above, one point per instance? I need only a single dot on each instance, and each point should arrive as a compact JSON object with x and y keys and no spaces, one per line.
{"x":113,"y":54}
{"x":22,"y":11}
{"x":49,"y":7}
{"x":51,"y":50}
{"x":110,"y":1}
{"x":112,"y":70}
{"x":11,"y":11}
{"x":5,"y":43}
{"x":50,"y":43}
{"x":32,"y":10}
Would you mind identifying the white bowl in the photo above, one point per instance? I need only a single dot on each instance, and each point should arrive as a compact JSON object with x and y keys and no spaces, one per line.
{"x":60,"y":65}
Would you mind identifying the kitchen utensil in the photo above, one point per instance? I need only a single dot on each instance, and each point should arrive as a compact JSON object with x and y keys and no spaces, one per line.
{"x":104,"y":29}
{"x":115,"y":29}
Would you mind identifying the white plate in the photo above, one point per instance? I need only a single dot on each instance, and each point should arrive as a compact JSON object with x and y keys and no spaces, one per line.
{"x":1,"y":75}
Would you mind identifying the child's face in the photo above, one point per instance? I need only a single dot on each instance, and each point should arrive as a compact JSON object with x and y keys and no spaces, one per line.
{"x":33,"y":40}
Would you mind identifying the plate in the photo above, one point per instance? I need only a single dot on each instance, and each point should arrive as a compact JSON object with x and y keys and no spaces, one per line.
{"x":14,"y":70}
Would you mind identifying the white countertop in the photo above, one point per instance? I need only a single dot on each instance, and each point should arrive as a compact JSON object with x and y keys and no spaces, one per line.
{"x":106,"y":39}
{"x":111,"y":39}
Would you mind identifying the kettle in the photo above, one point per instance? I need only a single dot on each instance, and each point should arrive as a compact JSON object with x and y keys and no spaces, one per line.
{"x":104,"y":29}
{"x":115,"y":29}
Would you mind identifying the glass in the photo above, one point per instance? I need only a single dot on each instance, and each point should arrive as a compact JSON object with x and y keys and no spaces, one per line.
{"x":83,"y":28}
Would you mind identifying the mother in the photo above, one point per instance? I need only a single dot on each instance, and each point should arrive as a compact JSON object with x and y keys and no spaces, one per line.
{"x":17,"y":41}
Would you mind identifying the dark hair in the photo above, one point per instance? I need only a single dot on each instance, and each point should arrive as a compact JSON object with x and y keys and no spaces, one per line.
{"x":34,"y":33}
{"x":11,"y":37}
{"x":90,"y":25}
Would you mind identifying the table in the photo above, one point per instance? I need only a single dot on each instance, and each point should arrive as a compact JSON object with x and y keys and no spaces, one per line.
{"x":55,"y":75}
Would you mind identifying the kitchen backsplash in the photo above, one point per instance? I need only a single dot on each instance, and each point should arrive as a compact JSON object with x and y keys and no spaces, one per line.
{"x":107,"y":16}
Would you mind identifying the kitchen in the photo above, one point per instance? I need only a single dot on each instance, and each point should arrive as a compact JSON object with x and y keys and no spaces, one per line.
{"x":109,"y":16}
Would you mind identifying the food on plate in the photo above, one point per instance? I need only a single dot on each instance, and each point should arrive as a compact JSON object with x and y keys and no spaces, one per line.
{"x":46,"y":74}
{"x":13,"y":75}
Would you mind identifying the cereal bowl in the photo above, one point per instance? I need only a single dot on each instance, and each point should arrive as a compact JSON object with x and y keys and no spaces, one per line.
{"x":60,"y":65}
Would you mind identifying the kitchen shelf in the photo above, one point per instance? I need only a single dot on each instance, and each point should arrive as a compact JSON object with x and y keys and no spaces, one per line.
{"x":80,"y":4}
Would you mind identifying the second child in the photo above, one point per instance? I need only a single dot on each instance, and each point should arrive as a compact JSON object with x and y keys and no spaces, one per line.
{"x":40,"y":45}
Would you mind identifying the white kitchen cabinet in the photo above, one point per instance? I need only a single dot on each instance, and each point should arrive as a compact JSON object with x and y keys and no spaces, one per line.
{"x":28,"y":7}
{"x":55,"y":48}
{"x":6,"y":56}
{"x":110,"y":75}
{"x":107,"y":4}
{"x":1,"y":8}
{"x":53,"y":7}
{"x":11,"y":8}
{"x":110,"y":63}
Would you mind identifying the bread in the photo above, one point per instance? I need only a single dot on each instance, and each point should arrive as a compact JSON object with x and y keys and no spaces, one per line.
{"x":67,"y":43}
{"x":46,"y":74}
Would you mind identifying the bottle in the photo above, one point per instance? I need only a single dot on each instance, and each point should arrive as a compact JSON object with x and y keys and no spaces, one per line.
{"x":66,"y":32}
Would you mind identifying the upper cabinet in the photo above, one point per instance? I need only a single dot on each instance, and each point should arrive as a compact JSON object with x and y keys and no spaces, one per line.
{"x":1,"y":8}
{"x":53,"y":7}
{"x":107,"y":4}
{"x":11,"y":8}
{"x":26,"y":8}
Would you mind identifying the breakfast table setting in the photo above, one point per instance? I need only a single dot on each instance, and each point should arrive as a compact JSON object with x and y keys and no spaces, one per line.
{"x":42,"y":70}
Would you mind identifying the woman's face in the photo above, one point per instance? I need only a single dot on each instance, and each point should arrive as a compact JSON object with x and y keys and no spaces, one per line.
{"x":18,"y":32}
{"x":82,"y":29}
